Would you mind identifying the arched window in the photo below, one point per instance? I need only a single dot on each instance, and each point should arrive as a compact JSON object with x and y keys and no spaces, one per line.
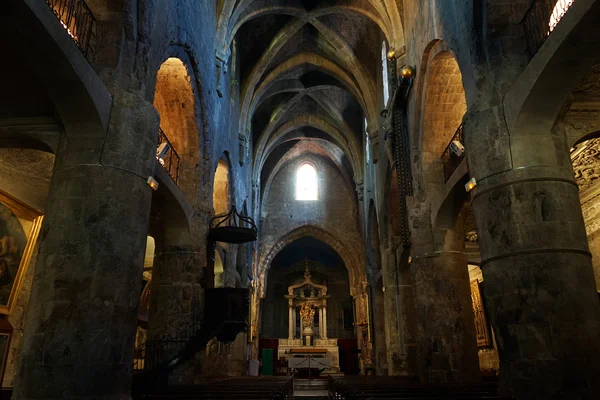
{"x":306,"y":183}
{"x":384,"y":69}
{"x":367,"y":149}
{"x":558,"y":12}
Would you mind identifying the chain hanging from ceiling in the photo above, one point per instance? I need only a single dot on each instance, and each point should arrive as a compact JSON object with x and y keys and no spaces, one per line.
{"x":401,"y":142}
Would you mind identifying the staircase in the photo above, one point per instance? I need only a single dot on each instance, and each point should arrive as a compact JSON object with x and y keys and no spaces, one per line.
{"x":155,"y":359}
{"x":311,"y":389}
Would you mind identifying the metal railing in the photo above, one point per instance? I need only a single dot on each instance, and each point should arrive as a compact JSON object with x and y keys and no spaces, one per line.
{"x":79,"y":22}
{"x":162,"y":350}
{"x":450,"y":159}
{"x":167,"y":156}
{"x":540,"y":19}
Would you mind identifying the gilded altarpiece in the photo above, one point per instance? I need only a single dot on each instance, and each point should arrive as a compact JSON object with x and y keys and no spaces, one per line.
{"x":482,"y":330}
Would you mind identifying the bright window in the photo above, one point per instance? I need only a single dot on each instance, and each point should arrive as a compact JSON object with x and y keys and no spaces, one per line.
{"x":306,"y":183}
{"x":384,"y":69}
{"x":558,"y":12}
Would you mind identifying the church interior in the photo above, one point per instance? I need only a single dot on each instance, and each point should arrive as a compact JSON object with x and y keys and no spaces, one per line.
{"x":283,"y":199}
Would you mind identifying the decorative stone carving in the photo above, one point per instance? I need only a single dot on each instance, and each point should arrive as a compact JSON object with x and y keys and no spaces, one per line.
{"x":586,"y":162}
{"x":471,"y":236}
{"x":360,"y":186}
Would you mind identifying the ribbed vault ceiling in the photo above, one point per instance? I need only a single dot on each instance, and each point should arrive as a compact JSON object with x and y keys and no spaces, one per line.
{"x":308,"y":73}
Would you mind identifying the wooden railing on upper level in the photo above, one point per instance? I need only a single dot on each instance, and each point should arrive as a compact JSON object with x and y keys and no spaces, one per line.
{"x":79,"y":22}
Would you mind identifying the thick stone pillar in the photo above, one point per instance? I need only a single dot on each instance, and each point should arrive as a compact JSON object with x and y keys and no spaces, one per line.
{"x":539,"y":282}
{"x":399,"y":321}
{"x":378,"y":328}
{"x":176,"y":290}
{"x":80,"y":329}
{"x":447,"y":346}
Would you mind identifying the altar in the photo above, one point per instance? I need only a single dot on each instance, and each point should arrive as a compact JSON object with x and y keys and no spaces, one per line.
{"x":305,"y":347}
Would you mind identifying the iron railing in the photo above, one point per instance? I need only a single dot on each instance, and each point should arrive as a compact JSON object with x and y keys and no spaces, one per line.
{"x":167,"y":156}
{"x":161,"y":351}
{"x":450,"y":159}
{"x":232,"y":227}
{"x":79,"y":22}
{"x":540,"y":19}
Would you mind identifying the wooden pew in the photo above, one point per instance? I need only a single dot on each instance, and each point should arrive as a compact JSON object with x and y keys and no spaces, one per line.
{"x":246,"y":388}
{"x":406,"y":388}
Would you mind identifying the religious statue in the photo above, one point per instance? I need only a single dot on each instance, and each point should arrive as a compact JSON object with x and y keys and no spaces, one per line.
{"x":307,"y":312}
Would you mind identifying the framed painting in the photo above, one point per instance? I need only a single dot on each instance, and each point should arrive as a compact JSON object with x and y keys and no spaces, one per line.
{"x":19,"y":228}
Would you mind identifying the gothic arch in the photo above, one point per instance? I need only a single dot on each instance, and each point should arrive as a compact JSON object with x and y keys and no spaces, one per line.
{"x":528,"y":107}
{"x":439,"y":111}
{"x":351,"y":259}
{"x":176,"y":98}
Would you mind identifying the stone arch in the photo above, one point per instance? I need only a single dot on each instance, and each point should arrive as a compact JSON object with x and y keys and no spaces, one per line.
{"x":315,"y":147}
{"x":241,"y":19}
{"x":265,"y":145}
{"x":223,"y":193}
{"x":351,"y":259}
{"x":442,"y":108}
{"x":528,"y":107}
{"x":64,"y":74}
{"x":175,"y":100}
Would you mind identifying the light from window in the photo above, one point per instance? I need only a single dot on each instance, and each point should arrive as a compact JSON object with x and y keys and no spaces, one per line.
{"x":558,"y":12}
{"x":306,"y":183}
{"x":368,"y":151}
{"x":384,"y":69}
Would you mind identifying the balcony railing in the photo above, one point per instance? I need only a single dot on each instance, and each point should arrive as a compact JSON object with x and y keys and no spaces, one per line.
{"x":79,"y":22}
{"x":541,"y":19}
{"x":450,"y":158}
{"x":167,"y":156}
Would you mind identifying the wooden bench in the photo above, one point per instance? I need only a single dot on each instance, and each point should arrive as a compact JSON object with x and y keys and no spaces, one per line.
{"x":246,"y":388}
{"x":406,"y":388}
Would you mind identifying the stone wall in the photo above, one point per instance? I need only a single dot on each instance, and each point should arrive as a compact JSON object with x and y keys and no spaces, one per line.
{"x":335,"y":211}
{"x":590,"y":206}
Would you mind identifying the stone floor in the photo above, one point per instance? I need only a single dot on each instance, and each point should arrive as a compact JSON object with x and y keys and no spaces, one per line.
{"x":313,"y":389}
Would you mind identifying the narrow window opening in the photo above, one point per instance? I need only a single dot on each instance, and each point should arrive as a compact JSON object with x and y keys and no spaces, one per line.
{"x":384,"y":69}
{"x":306,"y":183}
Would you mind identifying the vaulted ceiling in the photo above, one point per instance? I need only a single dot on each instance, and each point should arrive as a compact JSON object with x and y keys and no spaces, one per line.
{"x":308,"y":75}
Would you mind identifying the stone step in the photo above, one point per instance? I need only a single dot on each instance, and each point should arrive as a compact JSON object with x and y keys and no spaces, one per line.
{"x":312,"y":384}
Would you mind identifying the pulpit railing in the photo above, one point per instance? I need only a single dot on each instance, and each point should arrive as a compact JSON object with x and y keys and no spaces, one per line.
{"x":450,"y":157}
{"x":167,"y":156}
{"x":540,"y":20}
{"x":79,"y":22}
{"x":226,"y":316}
{"x":232,"y":227}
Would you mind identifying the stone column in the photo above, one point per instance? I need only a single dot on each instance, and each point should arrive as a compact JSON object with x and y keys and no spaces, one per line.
{"x":538,"y":277}
{"x":294,"y":322}
{"x":447,"y":347}
{"x":396,"y":294}
{"x":320,"y":323}
{"x":290,"y":322}
{"x":325,"y":322}
{"x":80,"y":329}
{"x":176,"y":290}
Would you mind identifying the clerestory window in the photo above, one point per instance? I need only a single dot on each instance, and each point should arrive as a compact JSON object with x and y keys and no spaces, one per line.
{"x":306,"y":183}
{"x":384,"y":72}
{"x":558,"y":12}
